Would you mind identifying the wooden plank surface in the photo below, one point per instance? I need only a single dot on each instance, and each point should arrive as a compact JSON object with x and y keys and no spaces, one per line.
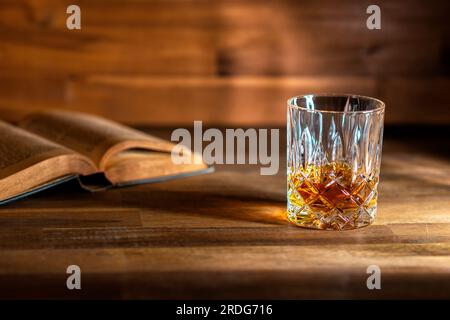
{"x":242,"y":101}
{"x":246,"y":37}
{"x":224,"y":61}
{"x":224,"y":235}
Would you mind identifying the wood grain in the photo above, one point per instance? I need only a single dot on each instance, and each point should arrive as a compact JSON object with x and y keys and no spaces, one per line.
{"x":224,"y":235}
{"x":238,"y":101}
{"x":172,"y":62}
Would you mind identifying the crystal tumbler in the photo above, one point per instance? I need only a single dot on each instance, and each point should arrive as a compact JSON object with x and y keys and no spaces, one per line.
{"x":333,"y":160}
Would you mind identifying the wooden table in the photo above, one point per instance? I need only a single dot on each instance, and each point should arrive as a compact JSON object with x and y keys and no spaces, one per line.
{"x":224,"y":235}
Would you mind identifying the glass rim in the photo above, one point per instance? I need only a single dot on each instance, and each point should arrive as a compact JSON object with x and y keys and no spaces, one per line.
{"x":343,"y":95}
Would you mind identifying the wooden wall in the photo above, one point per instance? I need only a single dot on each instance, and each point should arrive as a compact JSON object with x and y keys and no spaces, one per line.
{"x":225,"y":61}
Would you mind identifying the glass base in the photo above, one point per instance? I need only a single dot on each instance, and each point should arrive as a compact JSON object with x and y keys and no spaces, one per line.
{"x":331,"y":220}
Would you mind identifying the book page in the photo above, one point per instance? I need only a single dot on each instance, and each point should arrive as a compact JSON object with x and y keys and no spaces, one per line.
{"x":94,"y":137}
{"x":27,"y":161}
{"x":137,"y":165}
{"x":20,"y":149}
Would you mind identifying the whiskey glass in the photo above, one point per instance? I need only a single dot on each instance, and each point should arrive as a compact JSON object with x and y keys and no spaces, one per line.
{"x":334,"y":145}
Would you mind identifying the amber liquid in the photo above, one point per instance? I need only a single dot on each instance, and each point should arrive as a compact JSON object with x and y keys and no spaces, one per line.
{"x":332,"y":196}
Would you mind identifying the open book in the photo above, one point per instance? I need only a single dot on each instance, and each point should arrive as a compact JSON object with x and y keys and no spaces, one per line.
{"x":51,"y":147}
